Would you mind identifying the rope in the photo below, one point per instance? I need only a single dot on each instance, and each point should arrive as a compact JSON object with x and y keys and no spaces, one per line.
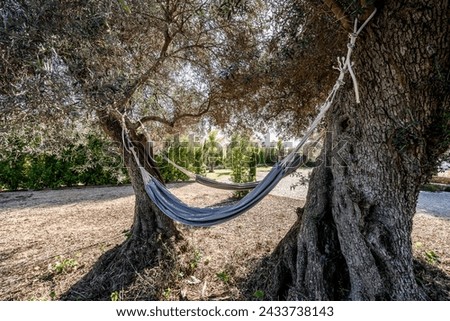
{"x":180,"y":168}
{"x":344,"y":65}
{"x":129,"y":147}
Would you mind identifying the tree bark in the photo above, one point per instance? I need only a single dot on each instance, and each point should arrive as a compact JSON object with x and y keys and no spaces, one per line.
{"x":352,"y":240}
{"x":154,"y":242}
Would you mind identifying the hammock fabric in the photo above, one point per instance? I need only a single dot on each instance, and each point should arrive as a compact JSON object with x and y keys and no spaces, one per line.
{"x":213,"y":183}
{"x":230,"y":186}
{"x":174,"y":208}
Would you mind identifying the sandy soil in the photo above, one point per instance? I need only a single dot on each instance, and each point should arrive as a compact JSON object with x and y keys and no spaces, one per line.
{"x":50,"y":239}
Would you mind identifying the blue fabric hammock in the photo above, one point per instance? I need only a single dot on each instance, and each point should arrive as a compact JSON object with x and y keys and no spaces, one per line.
{"x":174,"y":208}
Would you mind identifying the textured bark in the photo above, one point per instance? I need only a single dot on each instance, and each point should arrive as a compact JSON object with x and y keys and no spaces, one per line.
{"x":353,"y":239}
{"x":154,"y":242}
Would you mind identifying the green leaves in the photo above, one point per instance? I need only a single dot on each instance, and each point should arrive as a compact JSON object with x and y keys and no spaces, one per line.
{"x":64,"y":265}
{"x":259,"y":294}
{"x":190,"y":155}
{"x":431,"y":257}
{"x":124,"y":6}
{"x":115,"y":296}
{"x":223,"y":276}
{"x":90,"y":161}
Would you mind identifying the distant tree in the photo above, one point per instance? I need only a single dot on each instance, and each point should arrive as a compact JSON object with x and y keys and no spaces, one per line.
{"x":177,"y":151}
{"x":242,"y":158}
{"x":212,"y":150}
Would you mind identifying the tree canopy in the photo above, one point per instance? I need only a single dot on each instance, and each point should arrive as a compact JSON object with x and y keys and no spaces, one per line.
{"x":236,"y":63}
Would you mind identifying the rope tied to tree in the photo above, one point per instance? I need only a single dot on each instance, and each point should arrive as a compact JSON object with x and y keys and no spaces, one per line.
{"x":344,"y":65}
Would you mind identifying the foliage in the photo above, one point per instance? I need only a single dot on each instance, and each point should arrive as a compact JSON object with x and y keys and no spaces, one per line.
{"x":90,"y":160}
{"x":115,"y":296}
{"x":431,"y":257}
{"x":64,"y":265}
{"x":52,"y":295}
{"x":183,"y":152}
{"x":259,"y":294}
{"x":167,"y":293}
{"x":157,"y":61}
{"x":198,"y":165}
{"x":176,"y":153}
{"x":242,"y":158}
{"x":12,"y":163}
{"x":268,"y":156}
{"x":195,"y":260}
{"x":223,"y":276}
{"x":213,"y":151}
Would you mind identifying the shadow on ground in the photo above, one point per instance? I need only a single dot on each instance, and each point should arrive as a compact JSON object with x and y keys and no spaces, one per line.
{"x":139,"y":268}
{"x":433,"y":280}
{"x":63,"y":196}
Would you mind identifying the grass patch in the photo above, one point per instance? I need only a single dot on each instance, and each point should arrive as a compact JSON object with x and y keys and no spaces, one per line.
{"x":225,"y":173}
{"x":219,"y":173}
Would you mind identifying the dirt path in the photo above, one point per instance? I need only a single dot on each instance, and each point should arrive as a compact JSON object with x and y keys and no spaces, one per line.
{"x":42,"y":231}
{"x":434,"y":203}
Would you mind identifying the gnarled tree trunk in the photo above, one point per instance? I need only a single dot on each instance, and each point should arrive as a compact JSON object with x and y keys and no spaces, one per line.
{"x":352,"y":240}
{"x":152,"y":247}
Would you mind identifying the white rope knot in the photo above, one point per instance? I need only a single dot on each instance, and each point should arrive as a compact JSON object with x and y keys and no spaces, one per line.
{"x":341,"y":64}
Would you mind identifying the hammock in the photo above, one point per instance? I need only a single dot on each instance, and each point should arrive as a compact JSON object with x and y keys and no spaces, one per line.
{"x":225,"y":185}
{"x":174,"y":208}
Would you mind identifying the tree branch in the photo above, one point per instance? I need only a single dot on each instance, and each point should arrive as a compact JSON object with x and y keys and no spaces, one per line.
{"x":367,"y":7}
{"x":176,"y":118}
{"x":153,"y":118}
{"x":121,"y":105}
{"x":339,"y":13}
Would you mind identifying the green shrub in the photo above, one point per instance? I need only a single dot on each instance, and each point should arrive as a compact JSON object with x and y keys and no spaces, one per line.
{"x":12,"y":162}
{"x":188,"y":155}
{"x":90,"y":161}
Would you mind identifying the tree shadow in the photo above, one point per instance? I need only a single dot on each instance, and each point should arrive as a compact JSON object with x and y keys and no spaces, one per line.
{"x":63,"y":196}
{"x":137,"y":269}
{"x":270,"y":278}
{"x":434,"y":281}
{"x":256,"y":284}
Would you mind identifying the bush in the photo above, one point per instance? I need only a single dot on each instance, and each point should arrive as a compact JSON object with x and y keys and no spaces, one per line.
{"x":185,"y":154}
{"x":177,"y":153}
{"x":91,"y":161}
{"x":12,"y":162}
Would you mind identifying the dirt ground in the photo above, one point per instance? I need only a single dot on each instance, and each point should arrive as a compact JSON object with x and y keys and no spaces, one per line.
{"x":50,"y":239}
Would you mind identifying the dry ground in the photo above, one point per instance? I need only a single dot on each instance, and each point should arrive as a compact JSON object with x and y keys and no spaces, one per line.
{"x":50,"y":239}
